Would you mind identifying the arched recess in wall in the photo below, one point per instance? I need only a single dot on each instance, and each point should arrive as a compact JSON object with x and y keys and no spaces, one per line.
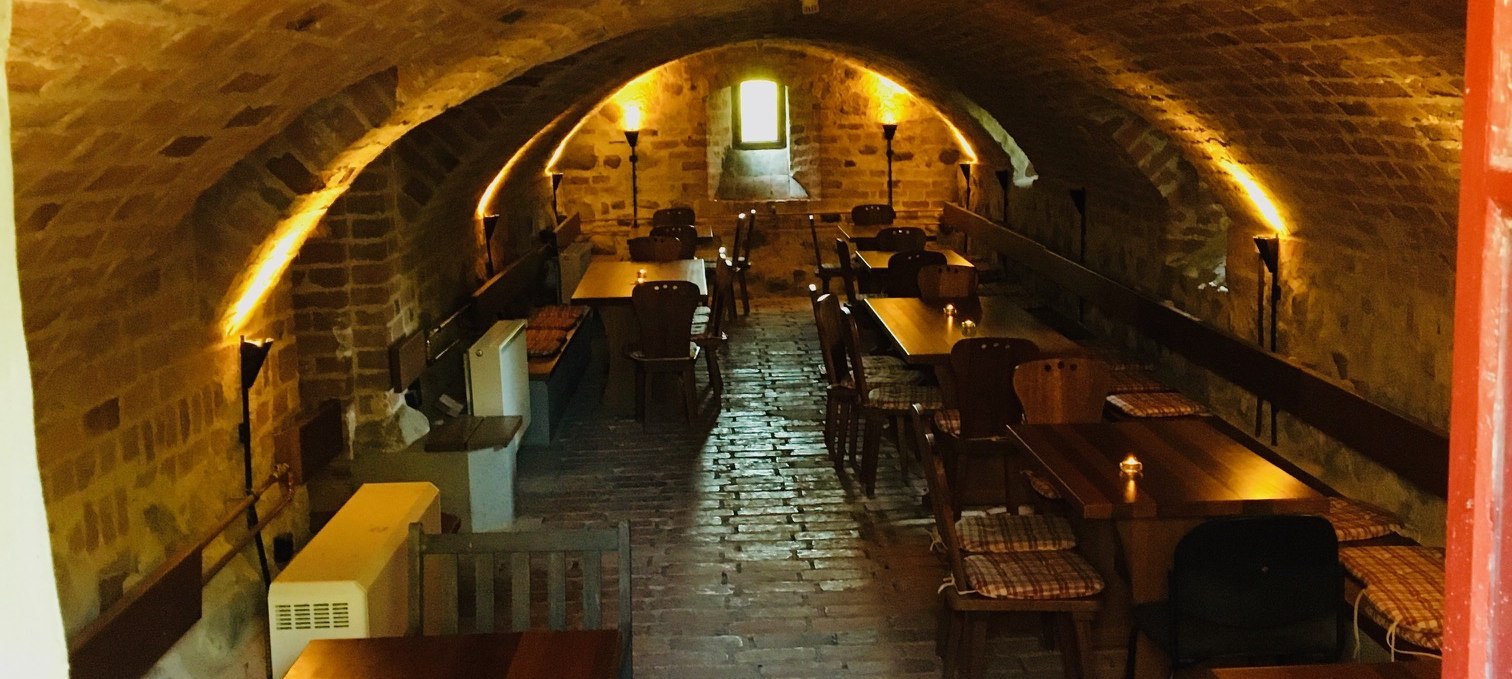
{"x":837,"y":99}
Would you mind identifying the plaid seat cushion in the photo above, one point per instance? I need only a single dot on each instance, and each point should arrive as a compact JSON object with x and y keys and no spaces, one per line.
{"x":901,"y":396}
{"x":1041,"y":485}
{"x":560,"y":317}
{"x":1032,"y":575}
{"x":948,"y":421}
{"x":1155,"y":404}
{"x":1355,"y":520}
{"x":1135,"y":381}
{"x":1375,"y":565}
{"x":544,"y":342}
{"x":1003,"y":532}
{"x":1414,"y":614}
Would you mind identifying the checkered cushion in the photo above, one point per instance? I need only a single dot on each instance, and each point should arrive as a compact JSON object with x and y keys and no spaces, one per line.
{"x":1355,"y":520}
{"x":560,"y":317}
{"x":1031,"y":575}
{"x":1156,"y":404}
{"x":1412,"y":614}
{"x":1041,"y":485}
{"x":1374,"y":565}
{"x":1135,"y":381}
{"x":544,"y":342}
{"x":1404,"y":589}
{"x":948,"y":421}
{"x":901,"y":396}
{"x":1003,"y":532}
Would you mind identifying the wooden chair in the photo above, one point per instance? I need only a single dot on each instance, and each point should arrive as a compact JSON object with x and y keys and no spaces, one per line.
{"x":745,"y":229}
{"x":847,"y":271}
{"x":980,"y":463}
{"x":654,"y":249}
{"x":947,"y":281}
{"x":1060,"y":583}
{"x":1062,"y":390}
{"x":903,"y":271}
{"x":899,"y":239}
{"x":711,"y":338}
{"x":673,"y":216}
{"x":824,"y":272}
{"x":873,"y":215}
{"x":686,"y":235}
{"x":879,"y":403}
{"x":513,"y":551}
{"x":664,"y":316}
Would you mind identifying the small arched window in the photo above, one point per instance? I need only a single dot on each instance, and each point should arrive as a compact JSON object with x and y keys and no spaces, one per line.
{"x":760,"y":115}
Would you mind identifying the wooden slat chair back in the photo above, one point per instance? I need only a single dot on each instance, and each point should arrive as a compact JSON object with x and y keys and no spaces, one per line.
{"x":983,"y":368}
{"x":847,"y":270}
{"x":673,"y":216}
{"x":664,"y":319}
{"x":740,"y":252}
{"x":824,"y":272}
{"x":840,"y":397}
{"x":565,"y":552}
{"x":947,"y":281}
{"x":686,"y":235}
{"x":654,"y":249}
{"x":721,"y":305}
{"x":830,"y":320}
{"x":873,"y":215}
{"x":1062,"y":390}
{"x":899,"y":239}
{"x":903,"y":271}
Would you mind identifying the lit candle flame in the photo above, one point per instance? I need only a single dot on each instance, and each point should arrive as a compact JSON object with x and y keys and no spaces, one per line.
{"x":632,"y":117}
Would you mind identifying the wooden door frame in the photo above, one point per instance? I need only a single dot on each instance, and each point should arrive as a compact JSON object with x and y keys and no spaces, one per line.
{"x":1478,"y":609}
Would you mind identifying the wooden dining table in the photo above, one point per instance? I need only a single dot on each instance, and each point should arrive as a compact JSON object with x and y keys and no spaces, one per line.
{"x":877,"y":260}
{"x":856,"y":233}
{"x":606,"y":285}
{"x":1194,"y":469}
{"x":542,"y":654}
{"x":1410,"y":669}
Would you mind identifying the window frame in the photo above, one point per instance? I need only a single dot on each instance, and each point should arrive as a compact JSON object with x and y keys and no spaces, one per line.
{"x":782,"y":117}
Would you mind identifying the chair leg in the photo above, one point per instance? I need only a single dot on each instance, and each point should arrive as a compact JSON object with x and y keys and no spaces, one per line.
{"x":896,"y":425}
{"x":716,"y":379}
{"x":690,"y":391}
{"x":973,"y":646}
{"x":832,"y":432}
{"x":950,"y":654}
{"x":745,"y":295}
{"x":869,"y":452}
{"x":1131,"y":655}
{"x":640,"y":394}
{"x":1081,"y":640}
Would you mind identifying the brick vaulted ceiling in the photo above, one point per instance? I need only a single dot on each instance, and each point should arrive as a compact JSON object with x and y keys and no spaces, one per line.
{"x":125,"y":113}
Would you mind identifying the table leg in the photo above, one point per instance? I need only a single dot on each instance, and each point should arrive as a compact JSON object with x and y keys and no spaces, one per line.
{"x":619,"y":384}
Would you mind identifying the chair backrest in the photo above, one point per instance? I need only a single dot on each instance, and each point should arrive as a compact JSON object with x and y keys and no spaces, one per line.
{"x":899,"y":239}
{"x":831,"y":322}
{"x":1255,"y":573}
{"x":873,"y":215}
{"x":941,"y":499}
{"x":654,"y":249}
{"x":849,"y":363}
{"x":686,"y":235}
{"x":1062,"y":389}
{"x":947,"y":281}
{"x":723,"y":298}
{"x":903,"y":271}
{"x":664,"y":316}
{"x":847,"y":270}
{"x":743,"y":248}
{"x":673,"y":216}
{"x":513,"y":551}
{"x":814,"y":237}
{"x":983,"y":367}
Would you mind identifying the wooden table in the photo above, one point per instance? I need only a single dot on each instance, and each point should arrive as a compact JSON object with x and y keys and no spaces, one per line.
{"x":607,"y":284}
{"x":926,"y":335}
{"x":1194,"y":469}
{"x":577,"y":654}
{"x":855,"y":233}
{"x":876,"y":260}
{"x":1412,"y":669}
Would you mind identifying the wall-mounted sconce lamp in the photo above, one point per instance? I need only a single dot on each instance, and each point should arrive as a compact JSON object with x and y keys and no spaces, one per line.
{"x":966,"y":173}
{"x":1004,"y":177}
{"x":1269,"y":250}
{"x":490,"y":227}
{"x":253,"y":355}
{"x":556,"y":183}
{"x":632,"y":137}
{"x":889,"y":130}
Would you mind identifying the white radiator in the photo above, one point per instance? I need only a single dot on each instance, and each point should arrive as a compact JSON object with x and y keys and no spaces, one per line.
{"x":572,"y":262}
{"x":352,"y":580}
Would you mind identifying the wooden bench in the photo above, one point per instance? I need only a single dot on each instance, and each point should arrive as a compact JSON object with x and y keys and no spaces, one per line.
{"x":554,"y":379}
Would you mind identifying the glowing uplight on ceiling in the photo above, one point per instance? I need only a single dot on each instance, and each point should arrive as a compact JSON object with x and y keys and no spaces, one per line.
{"x":1258,"y":196}
{"x":274,"y":260}
{"x":891,"y":97}
{"x":634,"y":98}
{"x":971,"y":156}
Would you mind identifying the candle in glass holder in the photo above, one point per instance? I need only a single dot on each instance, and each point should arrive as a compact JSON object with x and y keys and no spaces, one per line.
{"x":968,"y":327}
{"x":640,"y":276}
{"x":1131,"y":466}
{"x":950,"y":310}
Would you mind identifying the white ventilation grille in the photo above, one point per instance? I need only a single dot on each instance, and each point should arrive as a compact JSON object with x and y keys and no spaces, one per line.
{"x":311,"y":616}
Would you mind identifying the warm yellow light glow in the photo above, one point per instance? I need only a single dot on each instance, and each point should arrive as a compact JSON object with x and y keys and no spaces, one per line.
{"x":759,"y":115}
{"x":1257,"y":196}
{"x":272,"y":261}
{"x":891,"y":98}
{"x":634,"y":98}
{"x":966,"y":149}
{"x":632,"y":116}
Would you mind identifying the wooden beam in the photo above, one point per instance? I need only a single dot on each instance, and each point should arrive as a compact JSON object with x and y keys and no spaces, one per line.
{"x":1407,"y":446}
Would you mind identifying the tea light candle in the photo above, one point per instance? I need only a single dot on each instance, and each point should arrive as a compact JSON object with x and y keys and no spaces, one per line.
{"x":968,"y":327}
{"x":640,"y":276}
{"x":1131,"y":466}
{"x":950,"y":310}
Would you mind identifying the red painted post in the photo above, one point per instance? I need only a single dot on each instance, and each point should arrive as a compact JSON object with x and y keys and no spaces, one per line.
{"x":1478,"y":589}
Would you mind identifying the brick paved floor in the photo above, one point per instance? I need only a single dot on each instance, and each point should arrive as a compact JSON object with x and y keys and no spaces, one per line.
{"x":752,"y":558}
